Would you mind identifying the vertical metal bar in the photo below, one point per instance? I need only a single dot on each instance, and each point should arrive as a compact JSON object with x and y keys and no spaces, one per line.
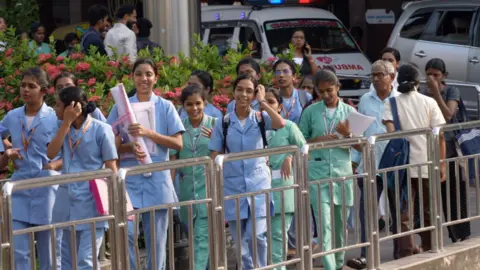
{"x":449,"y":199}
{"x":171,"y":245}
{"x":153,"y":238}
{"x":420,"y":198}
{"x":191,"y":239}
{"x":254,"y":233}
{"x":457,"y":185}
{"x":269,"y":232}
{"x":410,"y":199}
{"x":73,"y":246}
{"x":320,"y":216}
{"x":332,"y":213}
{"x":122,"y":221}
{"x":466,"y":182}
{"x":284,"y":232}
{"x":33,"y":261}
{"x":53,"y":243}
{"x":220,"y":208}
{"x":344,"y":215}
{"x":398,"y":202}
{"x":7,"y":198}
{"x":356,"y":212}
{"x":136,"y":225}
{"x":434,"y":190}
{"x":477,"y":182}
{"x":370,"y":204}
{"x":239,"y":234}
{"x":94,"y":245}
{"x":385,"y":200}
{"x":302,"y":208}
{"x":212,"y":225}
{"x":116,"y":206}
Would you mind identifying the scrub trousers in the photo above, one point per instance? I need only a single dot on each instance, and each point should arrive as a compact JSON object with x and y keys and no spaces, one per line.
{"x":245,"y":226}
{"x":278,"y":237}
{"x":161,"y":229}
{"x":63,"y":250}
{"x":337,"y":260}
{"x":200,"y":243}
{"x":21,"y":245}
{"x":84,"y":247}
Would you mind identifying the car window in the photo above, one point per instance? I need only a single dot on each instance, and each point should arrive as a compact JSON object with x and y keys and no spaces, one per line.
{"x":452,"y":27}
{"x":323,"y":36}
{"x":415,"y":25}
{"x":221,"y":37}
{"x":246,"y":37}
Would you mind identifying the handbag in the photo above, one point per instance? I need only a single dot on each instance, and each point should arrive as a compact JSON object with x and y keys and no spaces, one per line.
{"x":99,"y":190}
{"x":468,"y":142}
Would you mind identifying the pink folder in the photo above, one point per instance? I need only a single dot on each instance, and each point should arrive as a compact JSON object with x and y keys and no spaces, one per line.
{"x":99,"y":189}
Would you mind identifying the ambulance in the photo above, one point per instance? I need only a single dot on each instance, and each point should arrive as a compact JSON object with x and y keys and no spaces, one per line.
{"x":270,"y":24}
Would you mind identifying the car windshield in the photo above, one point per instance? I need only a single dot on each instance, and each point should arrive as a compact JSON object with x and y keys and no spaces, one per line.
{"x":323,"y":36}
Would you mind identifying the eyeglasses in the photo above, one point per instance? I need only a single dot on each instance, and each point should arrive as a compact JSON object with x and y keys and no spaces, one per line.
{"x":284,"y":72}
{"x":377,"y":75}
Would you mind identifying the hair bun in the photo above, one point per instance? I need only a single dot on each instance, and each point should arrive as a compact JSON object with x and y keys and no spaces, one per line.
{"x":91,"y":107}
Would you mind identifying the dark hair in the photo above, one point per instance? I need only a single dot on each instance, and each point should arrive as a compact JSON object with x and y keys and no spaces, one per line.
{"x":76,"y":94}
{"x":309,"y":76}
{"x":70,"y":37}
{"x":65,"y":75}
{"x":146,"y":61}
{"x":330,"y":68}
{"x":34,"y":28}
{"x":289,"y":62}
{"x":325,"y":75}
{"x":393,"y":51}
{"x":125,"y":9}
{"x":40,"y":75}
{"x":298,"y":30}
{"x":275,"y":93}
{"x":144,"y":25}
{"x":245,"y":77}
{"x":438,"y":64}
{"x":408,"y":78}
{"x":248,"y":61}
{"x":19,"y":32}
{"x":205,"y":78}
{"x":97,"y":13}
{"x":190,"y":90}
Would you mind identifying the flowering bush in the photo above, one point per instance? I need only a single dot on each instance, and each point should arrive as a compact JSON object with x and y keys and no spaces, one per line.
{"x":97,"y":74}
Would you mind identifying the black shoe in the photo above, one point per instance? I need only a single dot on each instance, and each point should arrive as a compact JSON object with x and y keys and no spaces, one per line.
{"x":357,"y":263}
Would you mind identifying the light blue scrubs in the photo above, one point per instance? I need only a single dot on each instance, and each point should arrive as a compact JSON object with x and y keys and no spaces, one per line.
{"x":34,"y":206}
{"x":62,"y":210}
{"x":242,"y":177}
{"x":154,"y":190}
{"x":96,"y":146}
{"x":209,"y":110}
{"x":293,"y":107}
{"x":42,"y":49}
{"x":231,"y":106}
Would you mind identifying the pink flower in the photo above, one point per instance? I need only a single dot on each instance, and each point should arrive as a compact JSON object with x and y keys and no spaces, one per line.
{"x":94,"y":99}
{"x":2,"y":104}
{"x":109,"y":74}
{"x":17,"y":73}
{"x":174,"y":61}
{"x":228,"y":78}
{"x":92,"y":90}
{"x":9,"y":106}
{"x":80,"y":81}
{"x":51,"y":90}
{"x":115,"y":64}
{"x":126,"y":59}
{"x":60,"y":58}
{"x":61,"y":67}
{"x":158,"y":91}
{"x":76,"y":56}
{"x":82,"y":66}
{"x":2,"y":82}
{"x":43,"y":57}
{"x":169,"y":95}
{"x":91,"y":82}
{"x":53,"y":71}
{"x":9,"y":52}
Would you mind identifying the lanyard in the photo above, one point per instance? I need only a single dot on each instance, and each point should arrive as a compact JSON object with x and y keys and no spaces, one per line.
{"x":26,"y":141}
{"x":194,"y":139}
{"x":287,"y":114}
{"x":328,"y":129}
{"x":84,"y":130}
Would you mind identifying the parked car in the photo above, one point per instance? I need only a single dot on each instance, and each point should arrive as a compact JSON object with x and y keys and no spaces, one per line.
{"x":448,"y":30}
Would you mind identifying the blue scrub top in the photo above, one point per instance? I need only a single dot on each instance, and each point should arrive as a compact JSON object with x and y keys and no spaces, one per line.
{"x":158,"y":188}
{"x":293,"y":107}
{"x":231,"y":106}
{"x":32,"y":206}
{"x":245,"y":175}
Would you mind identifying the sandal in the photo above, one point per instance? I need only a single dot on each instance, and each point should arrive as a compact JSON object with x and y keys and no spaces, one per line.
{"x":357,"y":263}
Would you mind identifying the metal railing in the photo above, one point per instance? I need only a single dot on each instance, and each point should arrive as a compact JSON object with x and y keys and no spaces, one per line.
{"x":214,"y":202}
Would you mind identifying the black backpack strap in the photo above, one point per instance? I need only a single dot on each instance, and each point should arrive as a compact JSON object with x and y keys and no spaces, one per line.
{"x":261,"y":125}
{"x":396,"y":119}
{"x":225,"y":125}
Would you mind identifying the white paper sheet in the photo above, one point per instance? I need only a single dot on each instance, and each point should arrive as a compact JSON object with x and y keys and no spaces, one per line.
{"x":359,"y":123}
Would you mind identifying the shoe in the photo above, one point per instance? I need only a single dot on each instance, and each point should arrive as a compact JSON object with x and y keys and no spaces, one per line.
{"x":357,"y":263}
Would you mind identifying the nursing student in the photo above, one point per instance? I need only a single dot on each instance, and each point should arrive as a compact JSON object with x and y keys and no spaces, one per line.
{"x":31,"y":127}
{"x":320,"y":122}
{"x":85,"y":144}
{"x":157,"y":189}
{"x":293,"y":100}
{"x":62,"y":205}
{"x":204,"y":80}
{"x":282,"y":175}
{"x":246,"y":66}
{"x":192,"y":184}
{"x":244,"y":134}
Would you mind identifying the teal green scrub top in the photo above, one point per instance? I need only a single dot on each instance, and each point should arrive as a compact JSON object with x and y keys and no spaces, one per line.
{"x":327,"y":163}
{"x":288,"y":135}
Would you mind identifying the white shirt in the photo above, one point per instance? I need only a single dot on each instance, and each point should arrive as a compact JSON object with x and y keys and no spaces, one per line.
{"x":416,"y":111}
{"x":394,"y":83}
{"x":123,"y":40}
{"x":30,"y":121}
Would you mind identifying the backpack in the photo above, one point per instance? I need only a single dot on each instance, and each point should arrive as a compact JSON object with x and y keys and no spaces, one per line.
{"x":396,"y":153}
{"x":261,"y":125}
{"x":302,"y":97}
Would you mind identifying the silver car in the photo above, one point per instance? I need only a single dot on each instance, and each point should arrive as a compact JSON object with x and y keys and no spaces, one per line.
{"x":448,"y":30}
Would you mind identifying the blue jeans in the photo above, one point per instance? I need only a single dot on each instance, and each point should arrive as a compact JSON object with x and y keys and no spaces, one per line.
{"x":161,"y":227}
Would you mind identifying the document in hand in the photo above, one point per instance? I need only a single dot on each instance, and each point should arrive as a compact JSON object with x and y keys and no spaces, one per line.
{"x":359,"y":123}
{"x":126,"y":117}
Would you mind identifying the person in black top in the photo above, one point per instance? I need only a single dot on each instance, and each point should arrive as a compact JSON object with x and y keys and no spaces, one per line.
{"x":303,"y":53}
{"x":144,"y":25}
{"x":97,"y":17}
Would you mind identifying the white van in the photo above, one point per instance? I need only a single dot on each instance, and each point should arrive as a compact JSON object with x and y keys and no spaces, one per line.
{"x":270,"y":28}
